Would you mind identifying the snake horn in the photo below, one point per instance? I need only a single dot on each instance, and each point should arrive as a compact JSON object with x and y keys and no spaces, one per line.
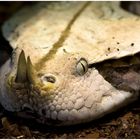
{"x":31,"y":72}
{"x":21,"y":76}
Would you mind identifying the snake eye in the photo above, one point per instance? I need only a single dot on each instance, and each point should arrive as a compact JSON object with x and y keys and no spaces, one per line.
{"x":82,"y":66}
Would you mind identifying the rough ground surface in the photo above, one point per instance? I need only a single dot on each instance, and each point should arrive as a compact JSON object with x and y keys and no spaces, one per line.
{"x":122,"y":124}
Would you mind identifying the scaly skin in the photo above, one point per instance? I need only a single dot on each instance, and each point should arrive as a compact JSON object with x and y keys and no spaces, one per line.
{"x":69,"y":97}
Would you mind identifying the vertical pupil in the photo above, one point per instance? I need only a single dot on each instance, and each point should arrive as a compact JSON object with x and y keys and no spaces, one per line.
{"x":83,"y":67}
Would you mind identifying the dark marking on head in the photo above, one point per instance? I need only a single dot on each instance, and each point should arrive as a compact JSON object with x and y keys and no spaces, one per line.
{"x":108,"y":48}
{"x":64,"y":50}
{"x":132,"y":44}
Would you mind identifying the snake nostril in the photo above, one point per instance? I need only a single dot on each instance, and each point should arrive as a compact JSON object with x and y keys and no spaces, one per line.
{"x":49,"y":78}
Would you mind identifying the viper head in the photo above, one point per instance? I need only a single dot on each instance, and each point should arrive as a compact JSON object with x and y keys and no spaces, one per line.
{"x":64,"y":90}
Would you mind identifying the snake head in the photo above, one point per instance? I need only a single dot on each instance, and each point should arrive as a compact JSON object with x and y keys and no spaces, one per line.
{"x":65,"y":87}
{"x":64,"y":91}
